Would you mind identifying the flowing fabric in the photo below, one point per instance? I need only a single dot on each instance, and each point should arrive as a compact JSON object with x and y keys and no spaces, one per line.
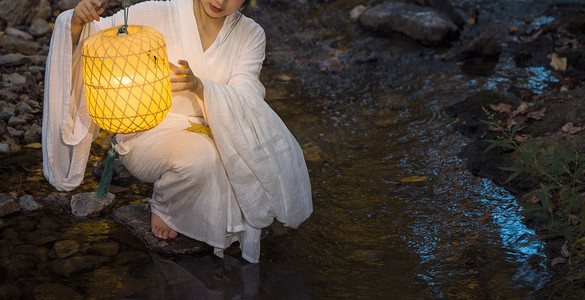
{"x":254,"y":170}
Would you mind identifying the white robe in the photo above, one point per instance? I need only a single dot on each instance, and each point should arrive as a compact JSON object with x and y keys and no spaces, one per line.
{"x":257,"y":167}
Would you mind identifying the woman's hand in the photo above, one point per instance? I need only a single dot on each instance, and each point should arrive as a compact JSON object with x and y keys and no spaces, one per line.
{"x":189,"y":81}
{"x":87,"y":11}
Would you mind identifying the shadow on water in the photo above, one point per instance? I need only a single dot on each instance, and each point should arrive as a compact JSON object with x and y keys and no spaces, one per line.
{"x":369,"y":112}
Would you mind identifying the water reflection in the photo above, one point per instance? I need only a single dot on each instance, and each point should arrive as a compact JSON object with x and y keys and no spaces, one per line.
{"x":209,"y":277}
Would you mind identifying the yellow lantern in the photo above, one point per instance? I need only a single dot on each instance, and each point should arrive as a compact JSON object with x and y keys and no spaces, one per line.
{"x":127,"y":79}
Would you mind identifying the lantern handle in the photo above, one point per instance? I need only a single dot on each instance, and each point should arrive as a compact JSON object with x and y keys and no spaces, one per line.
{"x":123,"y":30}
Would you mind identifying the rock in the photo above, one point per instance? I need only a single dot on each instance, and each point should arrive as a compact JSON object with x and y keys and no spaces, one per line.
{"x":65,"y":248}
{"x":137,"y":219}
{"x":18,"y":33}
{"x":17,"y":79}
{"x":86,"y":205}
{"x":24,"y":11}
{"x":13,"y":132}
{"x":5,"y":149}
{"x":28,"y":204}
{"x":58,"y":201}
{"x":17,"y":45}
{"x":39,"y":27}
{"x":42,"y":237}
{"x":420,"y":23}
{"x":23,"y":107}
{"x":33,"y":134}
{"x":55,"y":291}
{"x":8,"y":205}
{"x":109,"y":249}
{"x":69,"y":266}
{"x":16,"y":121}
{"x":39,"y":60}
{"x":25,"y":249}
{"x":8,"y":291}
{"x":12,"y":59}
{"x":444,"y":7}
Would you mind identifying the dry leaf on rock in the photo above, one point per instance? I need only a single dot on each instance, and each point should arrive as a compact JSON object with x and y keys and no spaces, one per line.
{"x":494,"y":128}
{"x":522,"y":109}
{"x":559,"y":63}
{"x":522,"y":137}
{"x":571,"y":128}
{"x":557,"y":260}
{"x":501,"y":108}
{"x":537,"y":115}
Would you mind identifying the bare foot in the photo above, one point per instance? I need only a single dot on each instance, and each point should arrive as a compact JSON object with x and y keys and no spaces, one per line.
{"x":160,"y":229}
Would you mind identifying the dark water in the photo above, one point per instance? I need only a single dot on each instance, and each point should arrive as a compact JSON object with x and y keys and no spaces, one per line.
{"x":371,"y":112}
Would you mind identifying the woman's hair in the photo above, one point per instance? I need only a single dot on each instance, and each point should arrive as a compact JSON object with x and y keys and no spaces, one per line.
{"x":239,"y":15}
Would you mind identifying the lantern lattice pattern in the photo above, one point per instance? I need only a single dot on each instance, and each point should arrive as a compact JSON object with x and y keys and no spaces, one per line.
{"x":127,"y":79}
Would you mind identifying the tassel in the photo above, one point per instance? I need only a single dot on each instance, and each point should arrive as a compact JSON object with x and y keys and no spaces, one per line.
{"x":104,"y":185}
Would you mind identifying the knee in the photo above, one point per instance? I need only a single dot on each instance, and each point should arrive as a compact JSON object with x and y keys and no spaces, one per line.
{"x":195,"y":159}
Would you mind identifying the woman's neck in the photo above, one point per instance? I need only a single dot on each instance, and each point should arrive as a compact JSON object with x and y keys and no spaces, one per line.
{"x":208,"y":26}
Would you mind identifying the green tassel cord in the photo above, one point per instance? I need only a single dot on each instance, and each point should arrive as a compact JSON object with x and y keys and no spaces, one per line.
{"x":104,"y":186}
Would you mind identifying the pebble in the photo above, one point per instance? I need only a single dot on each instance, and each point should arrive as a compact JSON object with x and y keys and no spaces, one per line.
{"x":17,"y":79}
{"x":39,"y":27}
{"x":65,"y":248}
{"x":86,"y":205}
{"x":18,"y":33}
{"x":9,"y":291}
{"x":22,"y":107}
{"x":4,"y":148}
{"x":33,"y":134}
{"x":15,"y":121}
{"x":8,"y":205}
{"x":13,"y":132}
{"x":28,"y":204}
{"x":13,"y":59}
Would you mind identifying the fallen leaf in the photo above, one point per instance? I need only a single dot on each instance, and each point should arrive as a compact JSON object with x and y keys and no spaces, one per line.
{"x":523,"y":108}
{"x":557,"y":260}
{"x":494,"y":128}
{"x":522,"y":137}
{"x":537,"y":115}
{"x":513,"y":29}
{"x":565,"y":250}
{"x":414,"y":179}
{"x":34,"y":145}
{"x":357,"y":11}
{"x":284,"y":77}
{"x":471,"y":21}
{"x":198,"y":128}
{"x":501,"y":108}
{"x":531,"y":198}
{"x":559,"y":63}
{"x":571,"y":128}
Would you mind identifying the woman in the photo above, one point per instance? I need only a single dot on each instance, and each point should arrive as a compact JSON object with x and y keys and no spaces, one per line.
{"x":218,"y":190}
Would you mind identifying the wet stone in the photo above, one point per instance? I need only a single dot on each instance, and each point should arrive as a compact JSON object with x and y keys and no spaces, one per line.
{"x":137,"y":219}
{"x":58,"y":201}
{"x":9,"y":291}
{"x":42,"y":237}
{"x":55,"y":291}
{"x":22,"y":262}
{"x":65,"y":248}
{"x":109,"y":249}
{"x":69,"y":266}
{"x":25,"y":249}
{"x":8,"y":205}
{"x":28,"y":204}
{"x":10,"y":234}
{"x":88,"y":205}
{"x":131,"y":258}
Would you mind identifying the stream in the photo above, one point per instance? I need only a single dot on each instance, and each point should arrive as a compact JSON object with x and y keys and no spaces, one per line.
{"x":370,"y":113}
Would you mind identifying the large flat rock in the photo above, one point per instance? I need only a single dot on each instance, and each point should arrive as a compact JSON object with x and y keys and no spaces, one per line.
{"x":137,"y":219}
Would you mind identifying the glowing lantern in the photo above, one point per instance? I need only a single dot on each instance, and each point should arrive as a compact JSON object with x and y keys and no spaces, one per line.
{"x":127,"y":79}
